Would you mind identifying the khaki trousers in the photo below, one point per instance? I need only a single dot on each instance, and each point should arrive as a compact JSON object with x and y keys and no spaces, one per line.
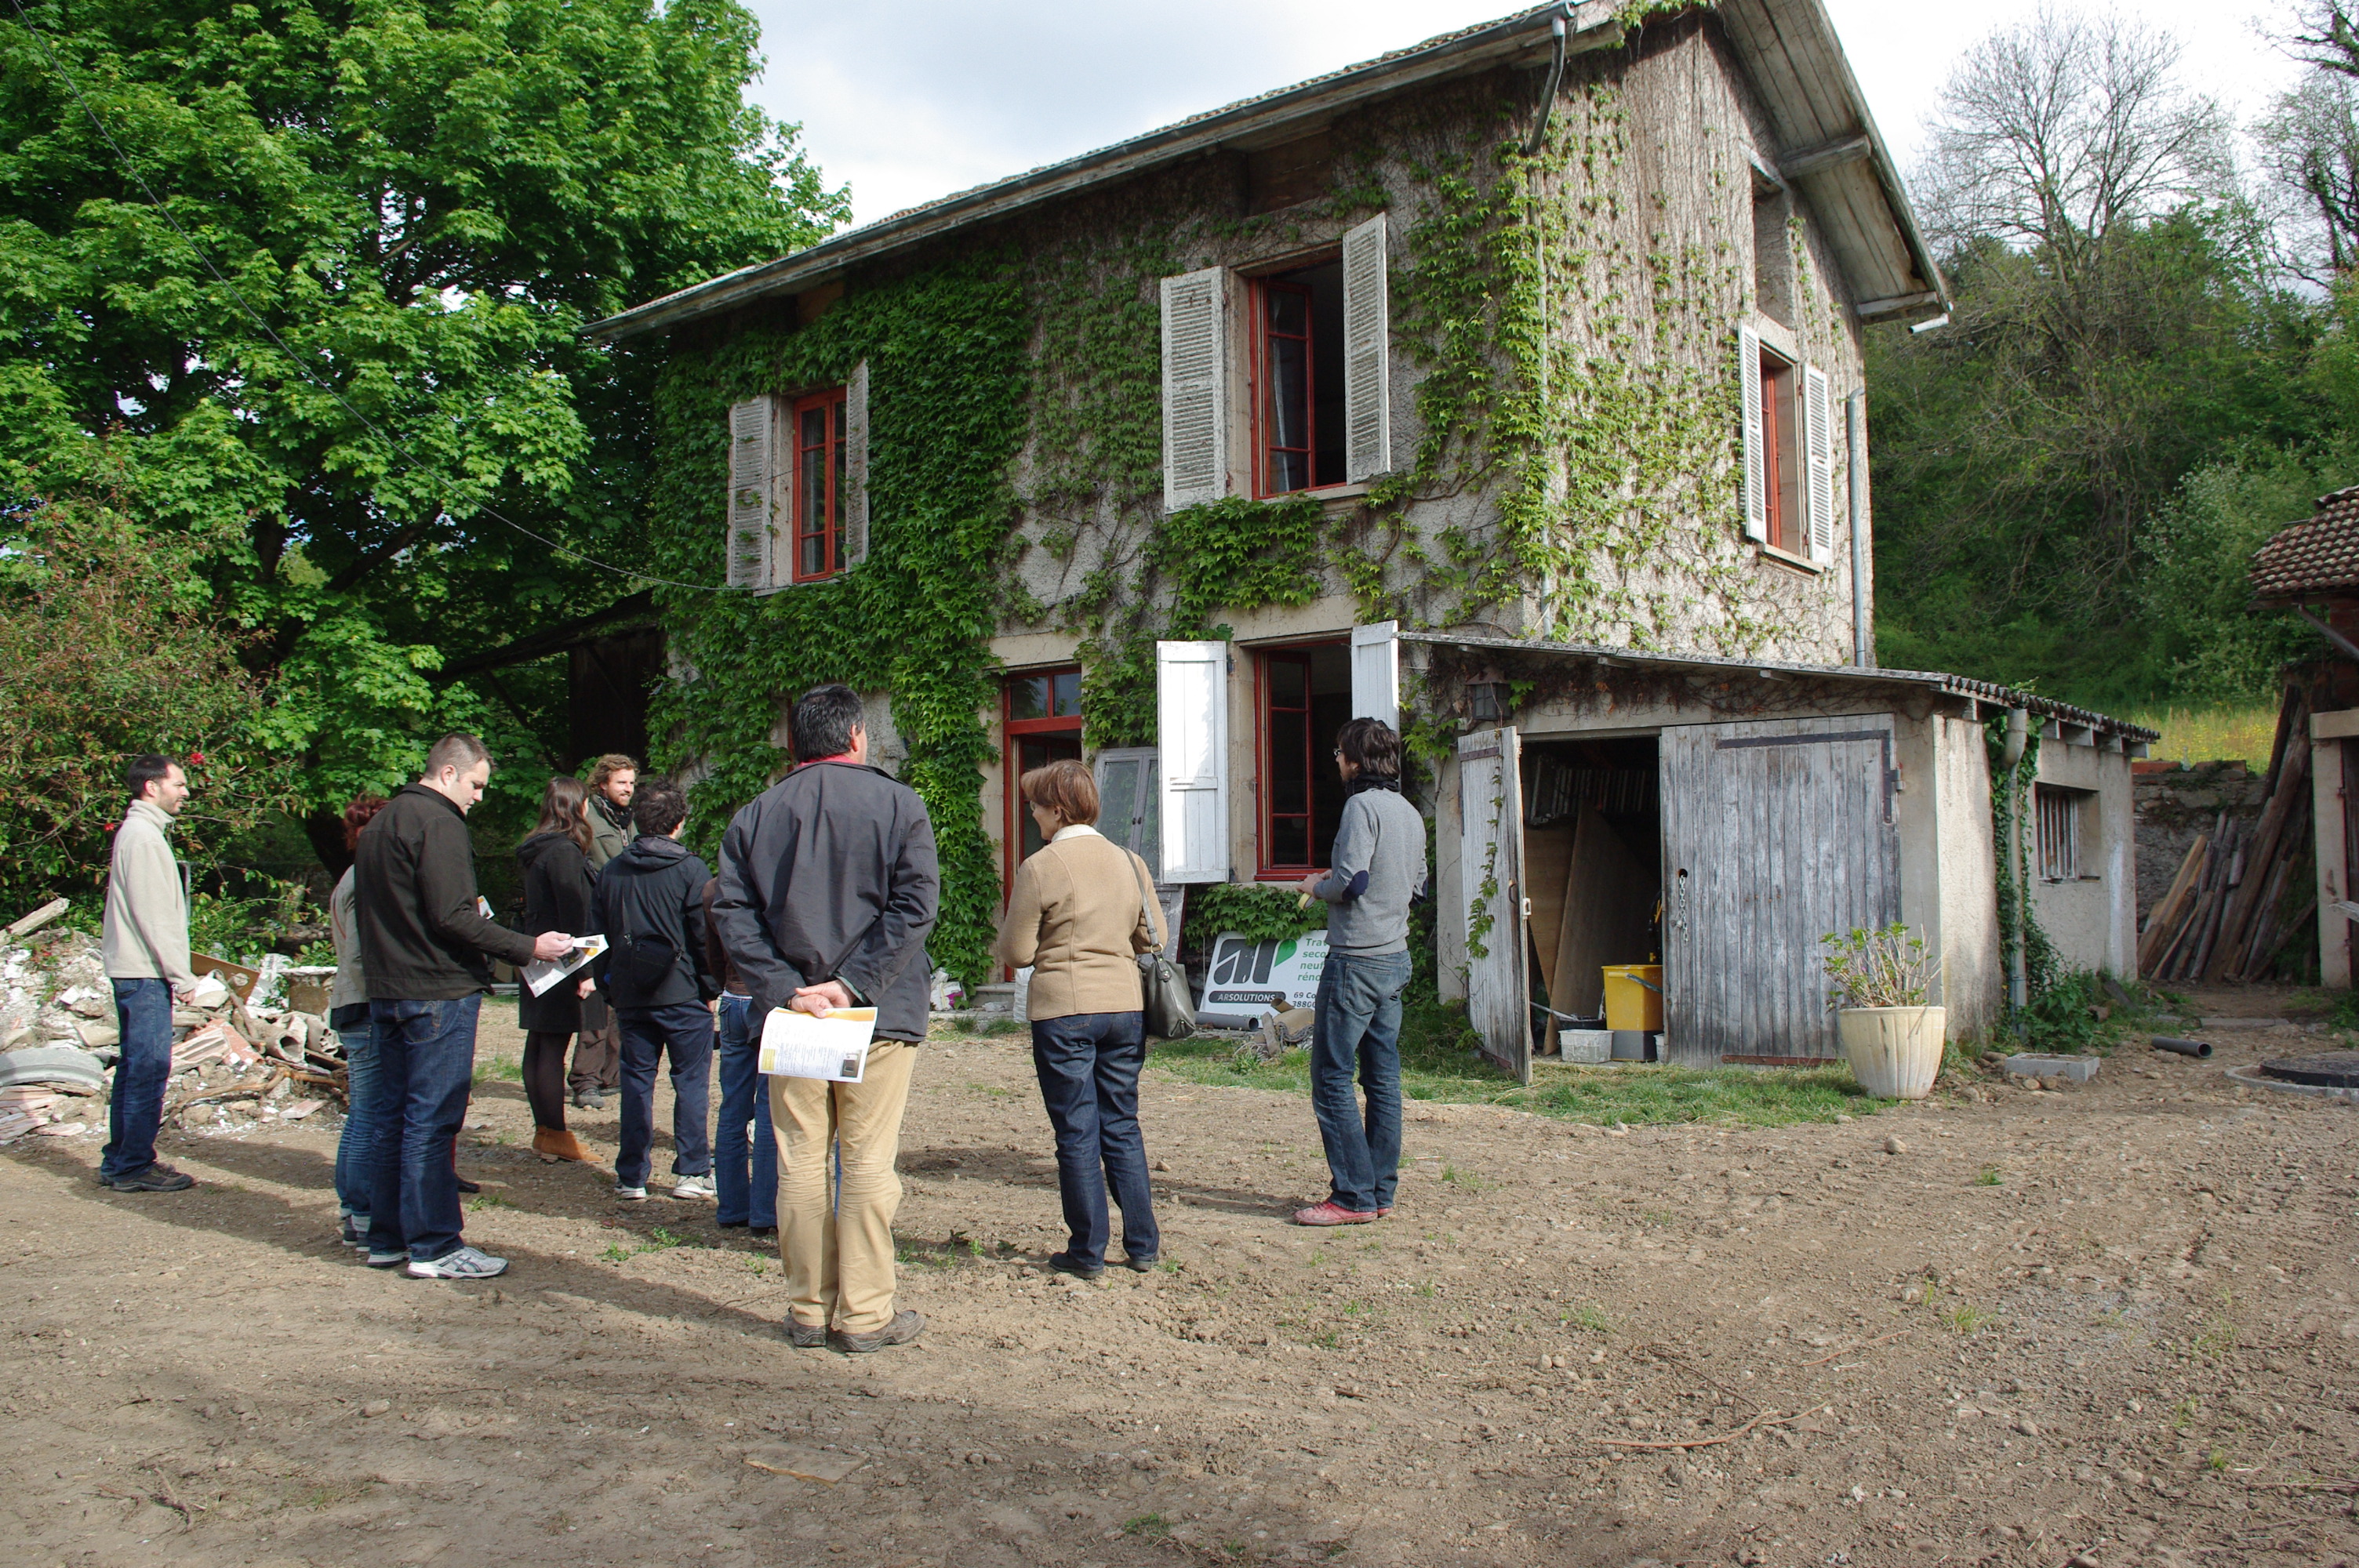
{"x":837,"y":1245}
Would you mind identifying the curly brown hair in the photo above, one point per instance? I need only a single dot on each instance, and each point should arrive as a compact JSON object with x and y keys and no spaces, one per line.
{"x":356,"y":816}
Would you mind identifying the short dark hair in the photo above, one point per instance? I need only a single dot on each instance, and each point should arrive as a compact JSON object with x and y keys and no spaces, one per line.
{"x":1065,"y":787}
{"x":824,"y":722}
{"x":658,"y":807}
{"x":1370,"y":745}
{"x":145,"y":769}
{"x":456,"y":749}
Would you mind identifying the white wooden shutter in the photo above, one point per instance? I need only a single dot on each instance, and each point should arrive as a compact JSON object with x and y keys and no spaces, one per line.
{"x":1367,"y":350}
{"x":753,"y":475}
{"x":1195,"y":388}
{"x":1748,"y":393}
{"x":856,"y":466}
{"x":1375,"y":672}
{"x":1191,"y":707}
{"x":1818,"y":438}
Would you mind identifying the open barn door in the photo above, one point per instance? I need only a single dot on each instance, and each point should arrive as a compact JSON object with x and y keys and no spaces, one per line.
{"x":1490,"y":858}
{"x":1775,"y":834}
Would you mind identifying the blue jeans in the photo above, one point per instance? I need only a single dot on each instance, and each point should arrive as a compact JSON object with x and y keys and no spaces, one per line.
{"x":1087,"y":1065}
{"x":744,"y":1102}
{"x":425,"y":1063}
{"x":143,"y":1013}
{"x":364,"y":1120}
{"x":1359,"y":1032}
{"x":687,"y":1029}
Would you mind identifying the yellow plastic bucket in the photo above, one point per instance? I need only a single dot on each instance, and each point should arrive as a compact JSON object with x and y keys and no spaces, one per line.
{"x":1633,"y":996}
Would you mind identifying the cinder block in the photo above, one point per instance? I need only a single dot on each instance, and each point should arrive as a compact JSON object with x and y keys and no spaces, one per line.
{"x":2079,"y":1069}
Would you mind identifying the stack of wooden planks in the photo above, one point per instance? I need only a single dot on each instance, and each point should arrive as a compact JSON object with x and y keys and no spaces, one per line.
{"x":2244,"y":888}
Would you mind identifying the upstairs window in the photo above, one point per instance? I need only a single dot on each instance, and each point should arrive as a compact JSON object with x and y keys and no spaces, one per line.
{"x":1298,"y":379}
{"x":1789,"y":438}
{"x":820,"y":459}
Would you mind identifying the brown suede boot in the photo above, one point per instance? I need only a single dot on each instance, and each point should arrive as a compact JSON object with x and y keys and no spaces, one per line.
{"x":554,"y":1144}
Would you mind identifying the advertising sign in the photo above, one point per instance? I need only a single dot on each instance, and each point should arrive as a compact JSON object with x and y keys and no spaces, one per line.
{"x":1246,"y":973}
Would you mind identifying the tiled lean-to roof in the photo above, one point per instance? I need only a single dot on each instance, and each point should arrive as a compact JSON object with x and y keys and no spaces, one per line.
{"x":2312,"y":560}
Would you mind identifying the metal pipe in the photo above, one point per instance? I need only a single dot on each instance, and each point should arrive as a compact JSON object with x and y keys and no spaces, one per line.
{"x":1863,"y":637}
{"x":2019,"y":737}
{"x":2178,"y":1048}
{"x":1555,"y":81}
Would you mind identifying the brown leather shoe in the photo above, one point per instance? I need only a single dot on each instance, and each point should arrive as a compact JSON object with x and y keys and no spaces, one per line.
{"x":555,"y":1143}
{"x":905,"y":1326}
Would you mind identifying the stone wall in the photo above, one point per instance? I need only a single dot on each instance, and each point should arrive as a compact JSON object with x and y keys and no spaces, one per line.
{"x":2175,"y":803}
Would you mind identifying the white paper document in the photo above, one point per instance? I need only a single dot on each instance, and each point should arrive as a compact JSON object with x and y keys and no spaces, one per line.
{"x":539,"y":975}
{"x":797,"y":1045}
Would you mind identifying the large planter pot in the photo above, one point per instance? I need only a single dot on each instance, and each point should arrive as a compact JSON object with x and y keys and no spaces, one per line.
{"x":1895,"y":1052}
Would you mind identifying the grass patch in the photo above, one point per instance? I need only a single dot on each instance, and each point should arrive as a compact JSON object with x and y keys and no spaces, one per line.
{"x":505,"y":1070}
{"x":1967,"y":1318}
{"x":488,"y":1200}
{"x":2192,"y":735}
{"x":1987,"y":1177}
{"x":1151,"y":1527}
{"x":1590,"y":1316}
{"x":1438,"y":1063}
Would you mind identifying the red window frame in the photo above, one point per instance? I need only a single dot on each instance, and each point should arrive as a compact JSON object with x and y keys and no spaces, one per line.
{"x":1778,"y":519}
{"x":826,"y":528}
{"x":1265,"y":813}
{"x":1264,"y":424}
{"x":1013,"y":731}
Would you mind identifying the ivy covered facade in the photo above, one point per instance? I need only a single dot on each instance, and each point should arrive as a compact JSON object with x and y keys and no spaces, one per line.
{"x":1423,"y":389}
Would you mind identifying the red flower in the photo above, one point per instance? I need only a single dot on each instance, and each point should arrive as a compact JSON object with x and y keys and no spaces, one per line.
{"x":198,"y":757}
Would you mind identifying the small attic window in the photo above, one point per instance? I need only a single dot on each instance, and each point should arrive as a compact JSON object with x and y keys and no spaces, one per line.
{"x":1290,"y":173}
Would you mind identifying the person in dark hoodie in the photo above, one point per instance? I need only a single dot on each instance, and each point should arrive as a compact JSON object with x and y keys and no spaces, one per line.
{"x":426,"y":945}
{"x":651,"y":905}
{"x":829,"y":886}
{"x":555,"y":857}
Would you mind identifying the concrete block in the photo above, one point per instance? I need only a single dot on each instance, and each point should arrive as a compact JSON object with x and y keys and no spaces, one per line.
{"x":1589,"y":1046}
{"x":2079,"y":1069}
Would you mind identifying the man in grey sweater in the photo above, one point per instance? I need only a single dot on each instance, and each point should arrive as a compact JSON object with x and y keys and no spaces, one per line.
{"x":1378,"y":867}
{"x":144,"y":944}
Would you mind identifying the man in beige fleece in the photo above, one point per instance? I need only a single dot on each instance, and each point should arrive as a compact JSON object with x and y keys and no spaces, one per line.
{"x":146,"y":949}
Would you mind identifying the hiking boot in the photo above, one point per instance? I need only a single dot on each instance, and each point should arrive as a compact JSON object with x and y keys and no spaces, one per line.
{"x":153,"y":1177}
{"x":630,"y":1194}
{"x":904,"y":1327}
{"x":1066,"y":1263}
{"x":465,"y":1263}
{"x":582,"y":1100}
{"x":806,"y":1336}
{"x":692,"y":1187}
{"x":555,"y":1143}
{"x":1333,"y":1213}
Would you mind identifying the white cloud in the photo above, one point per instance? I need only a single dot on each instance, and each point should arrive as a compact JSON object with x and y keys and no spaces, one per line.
{"x":916,"y":99}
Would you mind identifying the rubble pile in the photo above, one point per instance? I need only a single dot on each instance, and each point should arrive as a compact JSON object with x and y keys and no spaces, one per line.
{"x":59,"y":1045}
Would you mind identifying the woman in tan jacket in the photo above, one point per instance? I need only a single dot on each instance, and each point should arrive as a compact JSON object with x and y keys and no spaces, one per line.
{"x":1080,"y":916}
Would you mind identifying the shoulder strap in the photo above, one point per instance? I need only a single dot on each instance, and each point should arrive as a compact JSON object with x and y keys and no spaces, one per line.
{"x":1146,"y":901}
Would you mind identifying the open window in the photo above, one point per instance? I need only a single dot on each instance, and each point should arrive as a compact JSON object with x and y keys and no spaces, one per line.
{"x":1303,"y":695}
{"x":1788,"y":438}
{"x":1297,"y":378}
{"x":1041,"y":722}
{"x":798,"y":486}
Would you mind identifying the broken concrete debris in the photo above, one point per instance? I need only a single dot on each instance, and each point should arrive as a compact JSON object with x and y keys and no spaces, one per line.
{"x":58,"y":1042}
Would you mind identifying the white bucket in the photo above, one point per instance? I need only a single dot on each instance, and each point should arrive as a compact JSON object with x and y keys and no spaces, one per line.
{"x":1895,"y":1052}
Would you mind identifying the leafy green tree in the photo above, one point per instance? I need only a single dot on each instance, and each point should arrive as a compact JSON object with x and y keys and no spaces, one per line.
{"x":315,"y":271}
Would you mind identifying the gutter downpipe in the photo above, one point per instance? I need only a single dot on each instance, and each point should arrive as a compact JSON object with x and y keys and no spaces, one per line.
{"x":1863,"y":644}
{"x":1555,"y":81}
{"x":2018,"y":735}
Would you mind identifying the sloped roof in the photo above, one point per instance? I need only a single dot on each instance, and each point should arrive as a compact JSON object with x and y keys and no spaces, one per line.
{"x":1788,"y":47}
{"x":2312,"y":560}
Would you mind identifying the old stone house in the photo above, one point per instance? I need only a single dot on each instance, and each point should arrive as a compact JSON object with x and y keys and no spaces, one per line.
{"x":1509,"y":387}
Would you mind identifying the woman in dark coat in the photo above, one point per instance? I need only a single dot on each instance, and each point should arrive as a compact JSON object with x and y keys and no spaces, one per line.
{"x":557,"y":881}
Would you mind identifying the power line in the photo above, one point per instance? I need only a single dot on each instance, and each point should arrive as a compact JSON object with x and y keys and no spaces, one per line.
{"x":399,"y":448}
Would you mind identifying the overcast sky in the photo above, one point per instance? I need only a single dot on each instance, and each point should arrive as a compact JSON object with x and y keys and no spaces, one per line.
{"x":918,"y":98}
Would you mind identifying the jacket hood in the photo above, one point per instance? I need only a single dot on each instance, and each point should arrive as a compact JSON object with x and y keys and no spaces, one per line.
{"x":649,"y":849}
{"x":529,"y":852}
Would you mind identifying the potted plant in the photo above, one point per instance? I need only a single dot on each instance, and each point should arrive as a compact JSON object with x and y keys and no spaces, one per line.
{"x":1879,"y":981}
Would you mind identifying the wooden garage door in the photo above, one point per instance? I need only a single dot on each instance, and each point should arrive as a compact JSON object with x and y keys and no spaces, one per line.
{"x":1774,"y":834}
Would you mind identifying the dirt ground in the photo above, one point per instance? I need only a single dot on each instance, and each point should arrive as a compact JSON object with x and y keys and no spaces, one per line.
{"x":2112,"y":1325}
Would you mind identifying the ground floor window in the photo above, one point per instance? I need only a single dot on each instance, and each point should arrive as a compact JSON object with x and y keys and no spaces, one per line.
{"x":1041,"y":717}
{"x":1304,"y":695}
{"x":2058,"y":813}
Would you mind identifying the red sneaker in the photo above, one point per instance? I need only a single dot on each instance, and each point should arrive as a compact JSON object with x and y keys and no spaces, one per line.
{"x":1330,"y":1213}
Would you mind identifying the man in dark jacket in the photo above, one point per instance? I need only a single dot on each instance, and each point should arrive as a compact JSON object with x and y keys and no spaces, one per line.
{"x":829,"y":886}
{"x":425,"y":945}
{"x":650,"y":905}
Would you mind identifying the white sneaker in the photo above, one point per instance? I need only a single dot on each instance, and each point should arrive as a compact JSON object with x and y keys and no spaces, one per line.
{"x":692,"y":1187}
{"x":466,"y":1263}
{"x":633,"y":1194}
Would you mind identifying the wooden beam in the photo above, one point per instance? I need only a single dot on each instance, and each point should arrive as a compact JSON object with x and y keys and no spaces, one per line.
{"x":1808,"y":161}
{"x":550,"y":640}
{"x":1875,"y":310}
